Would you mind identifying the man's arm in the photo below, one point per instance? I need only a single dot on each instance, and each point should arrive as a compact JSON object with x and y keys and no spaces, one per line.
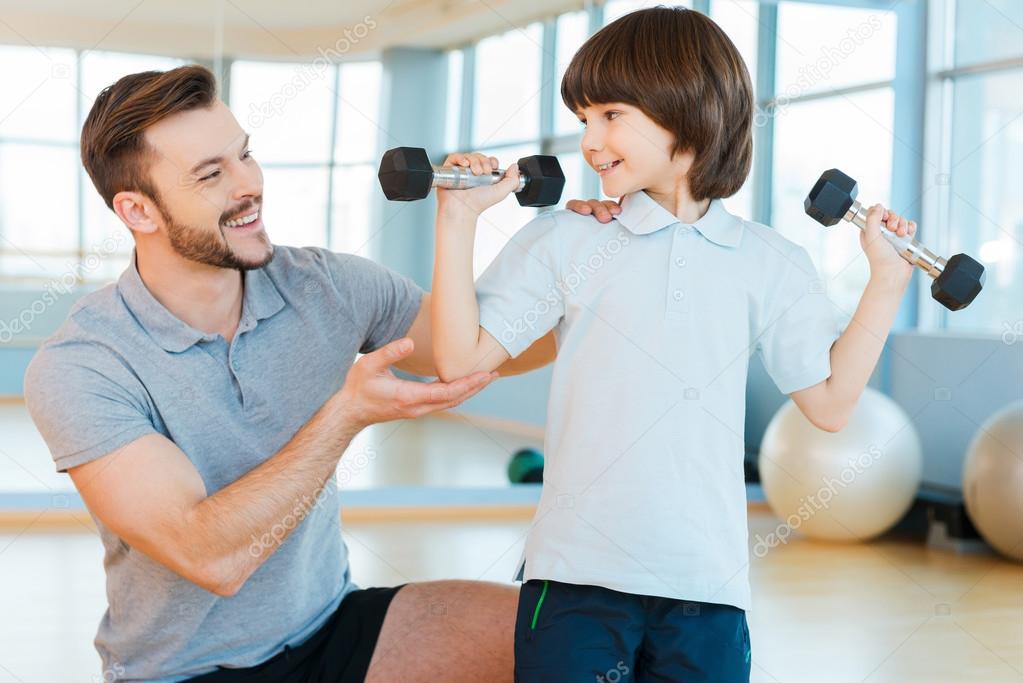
{"x":420,"y":362}
{"x":855,"y":353}
{"x":151,"y":495}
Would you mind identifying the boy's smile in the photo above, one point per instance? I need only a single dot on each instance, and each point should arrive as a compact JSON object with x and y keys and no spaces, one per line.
{"x":614,"y":129}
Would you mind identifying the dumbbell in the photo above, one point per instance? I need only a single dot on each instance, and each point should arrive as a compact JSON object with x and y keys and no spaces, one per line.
{"x":957,"y":281}
{"x":406,"y":175}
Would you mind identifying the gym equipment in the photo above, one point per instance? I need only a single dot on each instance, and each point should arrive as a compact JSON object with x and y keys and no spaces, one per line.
{"x":526,"y":467}
{"x":850,"y":485}
{"x":957,"y":281}
{"x":406,"y":174}
{"x":993,"y":480}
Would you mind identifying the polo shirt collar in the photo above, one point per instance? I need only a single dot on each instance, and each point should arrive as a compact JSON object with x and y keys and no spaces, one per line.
{"x":641,"y":215}
{"x":260,"y":300}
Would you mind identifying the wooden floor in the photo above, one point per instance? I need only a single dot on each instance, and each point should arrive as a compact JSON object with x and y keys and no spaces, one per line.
{"x":885,"y":611}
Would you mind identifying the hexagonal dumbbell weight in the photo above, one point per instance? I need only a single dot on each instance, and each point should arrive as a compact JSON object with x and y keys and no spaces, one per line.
{"x":957,"y":281}
{"x":406,"y":175}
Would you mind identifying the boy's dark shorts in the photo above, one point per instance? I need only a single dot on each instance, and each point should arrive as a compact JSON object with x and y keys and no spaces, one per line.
{"x":566,"y":633}
{"x":339,"y":652}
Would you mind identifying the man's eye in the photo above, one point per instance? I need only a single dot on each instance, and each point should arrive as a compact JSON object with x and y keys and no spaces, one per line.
{"x":612,"y":115}
{"x":210,"y":176}
{"x":248,"y":154}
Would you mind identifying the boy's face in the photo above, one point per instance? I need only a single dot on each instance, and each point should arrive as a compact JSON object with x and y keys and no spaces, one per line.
{"x":206,"y":179}
{"x":638,"y":150}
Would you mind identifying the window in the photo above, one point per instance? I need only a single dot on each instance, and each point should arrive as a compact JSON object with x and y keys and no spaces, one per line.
{"x":811,"y":137}
{"x":819,"y":49}
{"x":356,"y":157}
{"x":985,"y":215}
{"x":38,"y":98}
{"x":573,"y":30}
{"x":315,"y":133}
{"x":507,"y":88}
{"x":506,"y":119}
{"x":453,"y":120}
{"x":739,"y":19}
{"x":988,"y":31}
{"x":822,"y":48}
{"x":976,"y":210}
{"x":614,"y":9}
{"x":47,"y":94}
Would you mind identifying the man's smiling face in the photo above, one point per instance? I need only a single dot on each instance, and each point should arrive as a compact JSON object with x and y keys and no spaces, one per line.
{"x":210,"y":189}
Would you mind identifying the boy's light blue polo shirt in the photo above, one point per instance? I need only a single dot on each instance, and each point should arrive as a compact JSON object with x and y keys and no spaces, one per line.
{"x":655,"y":324}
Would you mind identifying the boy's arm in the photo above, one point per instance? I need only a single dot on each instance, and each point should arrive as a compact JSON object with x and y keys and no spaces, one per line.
{"x":460,"y":345}
{"x":539,"y":354}
{"x":421,"y":362}
{"x":855,"y":353}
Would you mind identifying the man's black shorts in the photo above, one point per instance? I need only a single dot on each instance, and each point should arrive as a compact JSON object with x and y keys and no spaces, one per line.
{"x":339,"y":652}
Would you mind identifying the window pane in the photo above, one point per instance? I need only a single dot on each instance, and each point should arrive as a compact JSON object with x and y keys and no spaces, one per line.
{"x":823,"y":48}
{"x":498,"y":223}
{"x":295,"y":206}
{"x":739,"y":19}
{"x":989,"y":30}
{"x":100,"y":69}
{"x":453,"y":117}
{"x":741,"y":203}
{"x":354,"y":193}
{"x":572,"y":33}
{"x":358,"y":112}
{"x":812,"y":137}
{"x":985,"y":214}
{"x":617,"y":8}
{"x":285,"y":107}
{"x":107,"y":239}
{"x":576,"y":173}
{"x":37,"y":216}
{"x":37,"y":99}
{"x":507,"y":107}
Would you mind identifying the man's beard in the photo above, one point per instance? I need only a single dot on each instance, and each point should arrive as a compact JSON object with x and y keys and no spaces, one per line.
{"x":203,"y":246}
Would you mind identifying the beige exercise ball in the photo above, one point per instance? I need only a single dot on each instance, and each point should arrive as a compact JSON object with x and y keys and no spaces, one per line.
{"x":846,"y":486}
{"x":993,"y":481}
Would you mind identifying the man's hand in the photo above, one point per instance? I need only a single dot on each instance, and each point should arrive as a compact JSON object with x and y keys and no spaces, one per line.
{"x":373,"y":394}
{"x":602,"y":210}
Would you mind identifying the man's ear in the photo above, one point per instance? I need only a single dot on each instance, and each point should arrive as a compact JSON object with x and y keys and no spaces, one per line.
{"x":137,"y":211}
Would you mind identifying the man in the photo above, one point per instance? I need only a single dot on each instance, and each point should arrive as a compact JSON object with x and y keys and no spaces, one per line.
{"x":206,"y":399}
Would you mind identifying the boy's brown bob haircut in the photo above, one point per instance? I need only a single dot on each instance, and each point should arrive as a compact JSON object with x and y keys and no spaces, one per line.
{"x":682,"y":71}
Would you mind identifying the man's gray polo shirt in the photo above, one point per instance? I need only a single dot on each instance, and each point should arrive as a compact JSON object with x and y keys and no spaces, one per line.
{"x":122,"y":366}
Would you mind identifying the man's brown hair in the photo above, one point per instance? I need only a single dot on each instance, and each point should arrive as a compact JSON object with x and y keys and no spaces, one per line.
{"x":114,"y":149}
{"x":682,"y":71}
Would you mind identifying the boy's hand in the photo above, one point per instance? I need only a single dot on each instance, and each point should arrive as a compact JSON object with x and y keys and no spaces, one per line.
{"x":881,"y":255}
{"x":472,"y":202}
{"x":602,"y":210}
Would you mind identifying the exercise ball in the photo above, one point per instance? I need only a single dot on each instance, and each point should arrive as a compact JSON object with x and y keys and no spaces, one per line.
{"x":993,"y":481}
{"x":526,"y":467}
{"x":851,"y":485}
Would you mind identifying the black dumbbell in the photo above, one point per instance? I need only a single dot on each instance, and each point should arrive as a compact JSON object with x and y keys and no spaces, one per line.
{"x":406,"y":175}
{"x":957,"y":281}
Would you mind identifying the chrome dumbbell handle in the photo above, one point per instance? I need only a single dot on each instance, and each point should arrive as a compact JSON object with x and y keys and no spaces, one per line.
{"x":908,"y":248}
{"x":461,"y":178}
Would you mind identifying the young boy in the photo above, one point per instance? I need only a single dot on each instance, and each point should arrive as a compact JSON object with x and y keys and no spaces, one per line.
{"x":635,"y":567}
